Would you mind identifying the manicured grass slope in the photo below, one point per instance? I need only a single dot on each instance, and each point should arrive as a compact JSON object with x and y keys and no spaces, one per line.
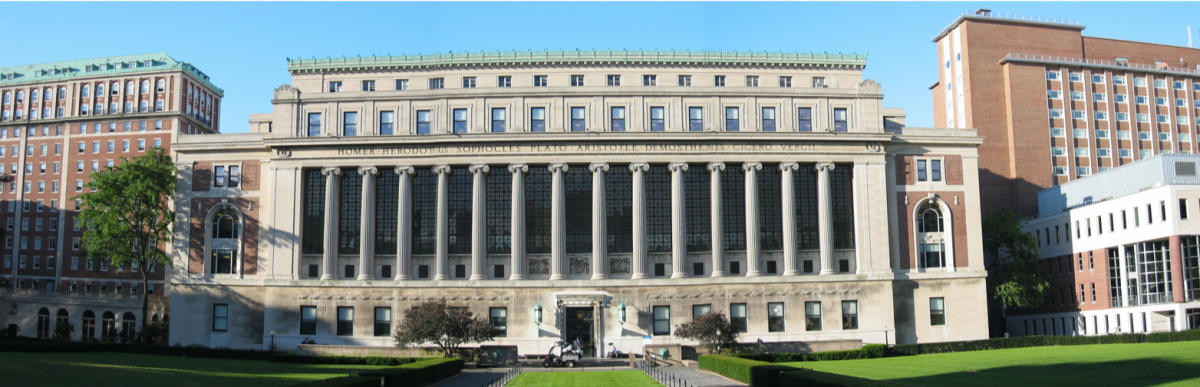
{"x":1148,"y":364}
{"x":130,"y":370}
{"x":584,"y":379}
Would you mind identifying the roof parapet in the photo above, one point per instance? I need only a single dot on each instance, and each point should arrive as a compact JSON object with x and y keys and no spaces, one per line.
{"x":987,"y":14}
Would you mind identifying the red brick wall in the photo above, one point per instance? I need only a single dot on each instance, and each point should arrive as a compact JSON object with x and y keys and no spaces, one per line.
{"x":251,"y":172}
{"x":906,"y":170}
{"x":957,"y":226}
{"x":199,"y":232}
{"x":201,"y":176}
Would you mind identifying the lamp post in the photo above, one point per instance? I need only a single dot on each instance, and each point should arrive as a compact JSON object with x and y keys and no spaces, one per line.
{"x":272,"y":341}
{"x":885,"y":335}
{"x":537,"y":318}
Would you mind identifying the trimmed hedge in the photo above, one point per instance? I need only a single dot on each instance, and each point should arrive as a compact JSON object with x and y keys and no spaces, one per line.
{"x":752,"y":372}
{"x":811,"y":378}
{"x":869,"y":351}
{"x":345,"y":381}
{"x":49,"y":346}
{"x":1040,"y":341}
{"x":418,"y":373}
{"x":363,"y":360}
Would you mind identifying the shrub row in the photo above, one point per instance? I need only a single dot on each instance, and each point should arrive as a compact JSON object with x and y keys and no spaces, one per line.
{"x":752,"y":372}
{"x":811,"y":378}
{"x":345,"y":381}
{"x":46,"y":346}
{"x":869,"y":351}
{"x":418,"y":373}
{"x":1040,"y":341}
{"x":285,"y":357}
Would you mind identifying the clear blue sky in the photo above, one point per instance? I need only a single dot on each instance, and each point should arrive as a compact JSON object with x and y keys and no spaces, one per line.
{"x":243,"y":46}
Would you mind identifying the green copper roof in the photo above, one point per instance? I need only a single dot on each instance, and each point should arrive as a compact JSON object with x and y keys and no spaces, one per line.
{"x":854,"y":61}
{"x":105,"y":66}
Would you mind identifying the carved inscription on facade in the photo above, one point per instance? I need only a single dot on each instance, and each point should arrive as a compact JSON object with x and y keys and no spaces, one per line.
{"x":581,"y":148}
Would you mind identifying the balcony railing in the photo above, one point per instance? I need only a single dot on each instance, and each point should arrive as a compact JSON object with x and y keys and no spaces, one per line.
{"x":1099,"y":62}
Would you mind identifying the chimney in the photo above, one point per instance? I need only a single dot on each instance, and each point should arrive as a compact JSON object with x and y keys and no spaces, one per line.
{"x":983,"y":12}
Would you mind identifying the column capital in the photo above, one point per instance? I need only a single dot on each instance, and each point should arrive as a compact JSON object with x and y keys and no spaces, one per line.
{"x":477,"y":168}
{"x":714,"y":166}
{"x":639,"y":166}
{"x":825,"y":166}
{"x":331,"y":171}
{"x":677,"y":167}
{"x":788,"y":166}
{"x":747,"y":166}
{"x":441,"y":169}
{"x":405,"y":169}
{"x":368,"y":170}
{"x":598,"y":167}
{"x":558,"y":167}
{"x":523,"y":168}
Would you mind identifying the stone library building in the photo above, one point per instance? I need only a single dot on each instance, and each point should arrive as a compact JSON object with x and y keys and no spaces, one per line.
{"x":605,"y":196}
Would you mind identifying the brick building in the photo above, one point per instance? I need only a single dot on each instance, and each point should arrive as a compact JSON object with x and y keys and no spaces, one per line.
{"x":1054,"y":105}
{"x":60,"y":122}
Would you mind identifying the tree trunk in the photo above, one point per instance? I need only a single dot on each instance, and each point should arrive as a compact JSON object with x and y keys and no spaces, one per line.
{"x":145,"y":303}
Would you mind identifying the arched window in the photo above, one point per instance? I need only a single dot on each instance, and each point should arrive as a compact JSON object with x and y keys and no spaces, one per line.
{"x":43,"y":323}
{"x":61,"y":318}
{"x":145,"y":86}
{"x":48,"y":94}
{"x":87,"y":327}
{"x":33,"y":96}
{"x":929,"y":217}
{"x":20,"y":96}
{"x":116,"y":88}
{"x":99,"y":90}
{"x":83,"y":91}
{"x":128,"y":87}
{"x":128,"y":326}
{"x":7,"y":97}
{"x":225,"y":224}
{"x":154,"y":317}
{"x":62,"y":93}
{"x":108,"y":326}
{"x":160,"y":85}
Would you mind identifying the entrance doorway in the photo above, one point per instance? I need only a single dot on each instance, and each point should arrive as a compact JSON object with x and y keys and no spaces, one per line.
{"x":579,"y":326}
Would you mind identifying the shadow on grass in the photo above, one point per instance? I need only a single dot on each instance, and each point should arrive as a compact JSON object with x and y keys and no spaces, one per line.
{"x":1128,"y":373}
{"x":108,"y":369}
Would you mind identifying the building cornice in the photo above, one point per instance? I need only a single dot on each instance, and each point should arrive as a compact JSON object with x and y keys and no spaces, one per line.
{"x":1007,"y":18}
{"x":588,"y":91}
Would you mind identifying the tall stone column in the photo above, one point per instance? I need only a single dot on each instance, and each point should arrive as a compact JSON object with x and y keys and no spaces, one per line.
{"x":599,"y":222}
{"x":558,"y":221}
{"x":443,"y":220}
{"x":366,"y":244}
{"x":678,"y":221}
{"x":825,"y":218}
{"x":479,"y":221}
{"x":518,"y":221}
{"x":404,"y":223}
{"x":333,"y":181}
{"x":639,"y":219}
{"x":752,"y":248}
{"x":788,"y":196}
{"x":718,"y":227}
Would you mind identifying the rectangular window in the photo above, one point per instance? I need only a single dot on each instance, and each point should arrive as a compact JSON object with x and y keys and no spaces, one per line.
{"x":308,"y":319}
{"x":401,"y":84}
{"x":849,"y":315}
{"x":697,"y":269}
{"x":1097,"y":78}
{"x":812,"y":316}
{"x":751,"y":81}
{"x":719,"y":80}
{"x":220,"y":322}
{"x":383,"y":322}
{"x":921,"y":174}
{"x":937,"y":311}
{"x":737,"y":317}
{"x":468,"y":82}
{"x":1076,"y":96}
{"x":1052,"y":75}
{"x":1183,"y":211}
{"x":935,"y":170}
{"x":540,"y":80}
{"x":839,"y":120}
{"x":576,"y":80}
{"x":350,"y":124}
{"x":649,"y":80}
{"x":498,"y":120}
{"x":785,"y":81}
{"x":1100,"y":115}
{"x":662,"y":320}
{"x":345,"y":321}
{"x":804,"y":119}
{"x":578,"y":115}
{"x":735,"y":268}
{"x":368,"y":85}
{"x":387,"y":123}
{"x":775,"y":317}
{"x":504,"y":81}
{"x":657,"y":119}
{"x":314,"y":124}
{"x":499,"y":319}
{"x":219,"y":177}
{"x":695,"y":119}
{"x":437,"y":83}
{"x":685,"y":80}
{"x":614,"y":80}
{"x":768,"y":119}
{"x":731,"y":119}
{"x":1053,"y":94}
{"x":460,"y":120}
{"x":537,"y":119}
{"x":617,"y":119}
{"x":423,"y":124}
{"x":335,"y":87}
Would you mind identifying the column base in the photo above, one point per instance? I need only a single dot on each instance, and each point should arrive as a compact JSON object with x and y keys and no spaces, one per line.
{"x":638,"y":276}
{"x":556,"y":277}
{"x":477,"y":277}
{"x":327,"y":277}
{"x":516,"y":277}
{"x":599,"y":276}
{"x":402,"y":277}
{"x":364,"y":277}
{"x":790,"y":273}
{"x":718,"y":273}
{"x":439,"y":277}
{"x":827,"y":272}
{"x":679,"y":275}
{"x":754,"y":273}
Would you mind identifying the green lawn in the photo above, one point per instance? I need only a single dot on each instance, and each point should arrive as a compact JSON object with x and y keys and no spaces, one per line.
{"x":583,"y":379}
{"x":1150,"y":364}
{"x":129,"y":370}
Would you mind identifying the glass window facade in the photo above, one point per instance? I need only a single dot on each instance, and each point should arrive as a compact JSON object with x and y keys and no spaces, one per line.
{"x":658,"y":209}
{"x":538,"y":191}
{"x":499,"y":211}
{"x":697,"y":193}
{"x":618,"y":201}
{"x":578,"y":187}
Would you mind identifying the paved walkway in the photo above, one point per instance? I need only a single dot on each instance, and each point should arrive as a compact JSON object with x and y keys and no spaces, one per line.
{"x":693,"y":376}
{"x":471,"y":378}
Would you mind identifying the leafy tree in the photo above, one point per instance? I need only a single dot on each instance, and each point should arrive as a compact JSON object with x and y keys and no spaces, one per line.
{"x":1013,"y":256}
{"x":713,"y":330}
{"x":445,"y":326}
{"x":63,"y":331}
{"x":128,"y":216}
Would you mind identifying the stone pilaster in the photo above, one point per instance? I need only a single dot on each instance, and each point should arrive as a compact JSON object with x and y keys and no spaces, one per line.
{"x":558,"y":221}
{"x":404,"y":226}
{"x":639,"y":219}
{"x":599,"y":222}
{"x":333,"y":181}
{"x":443,"y":222}
{"x":678,"y":221}
{"x":718,"y":228}
{"x":366,"y":245}
{"x":788,"y":196}
{"x":825,"y":218}
{"x":518,"y":220}
{"x":478,"y":221}
{"x":752,"y":248}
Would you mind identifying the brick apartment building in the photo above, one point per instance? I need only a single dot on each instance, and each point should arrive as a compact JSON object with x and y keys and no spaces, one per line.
{"x":1054,"y":105}
{"x":60,"y":122}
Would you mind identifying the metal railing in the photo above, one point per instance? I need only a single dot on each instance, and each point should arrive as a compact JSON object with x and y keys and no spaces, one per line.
{"x":560,"y":56}
{"x":1007,"y":16}
{"x":508,"y":376}
{"x":1099,"y":62}
{"x":665,"y":378}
